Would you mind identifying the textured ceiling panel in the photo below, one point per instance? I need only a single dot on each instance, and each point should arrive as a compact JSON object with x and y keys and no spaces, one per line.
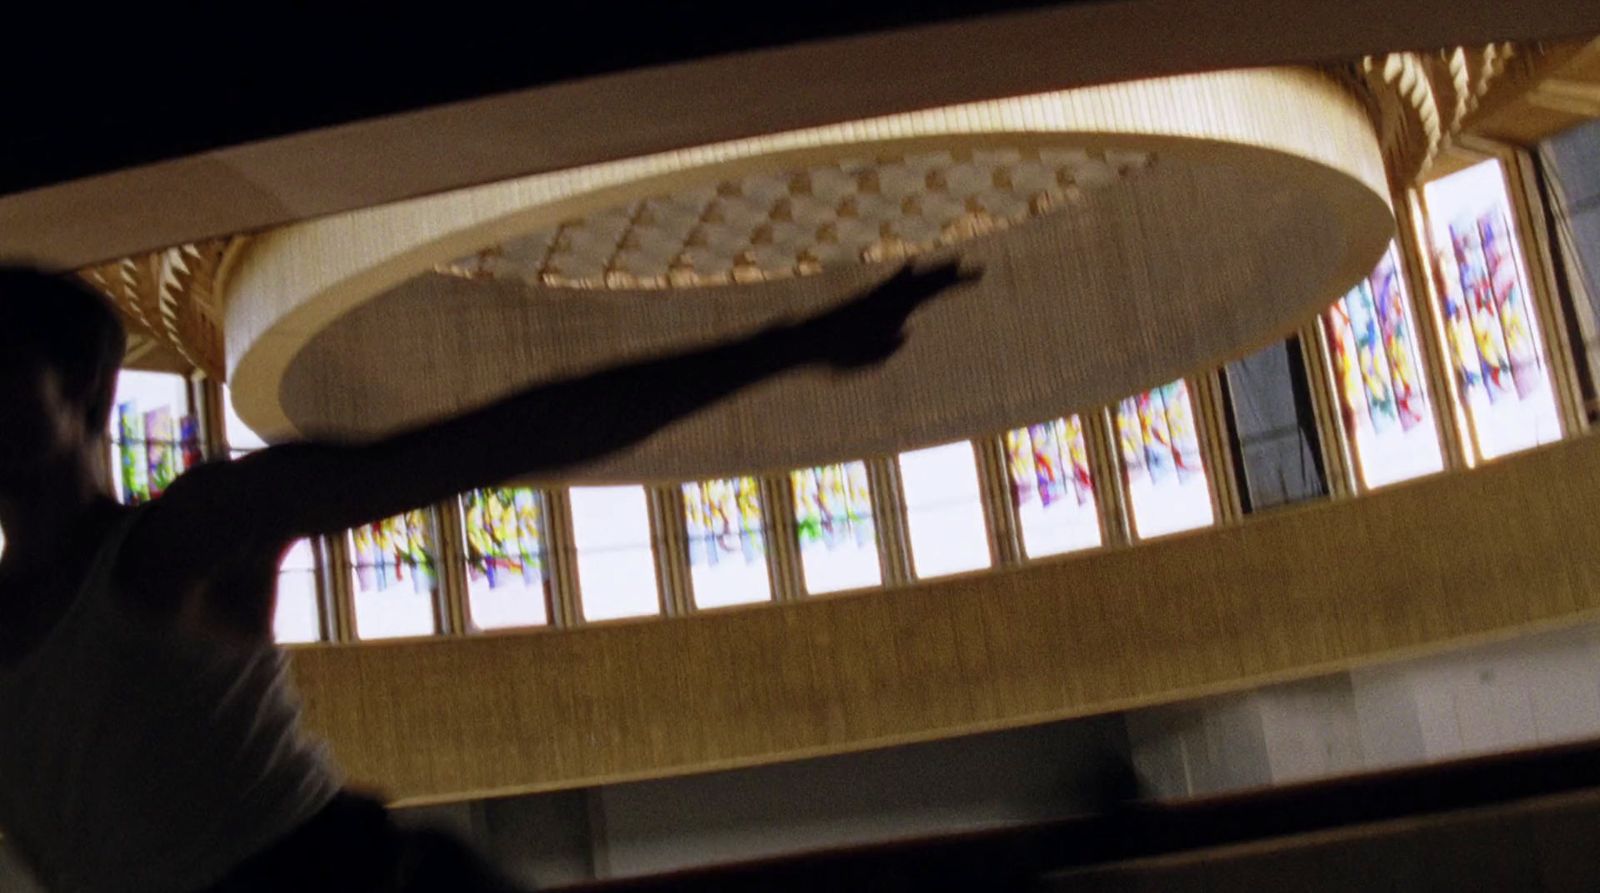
{"x":802,"y":221}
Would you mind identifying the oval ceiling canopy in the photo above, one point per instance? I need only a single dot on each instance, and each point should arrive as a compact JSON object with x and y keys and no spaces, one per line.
{"x":1129,"y":234}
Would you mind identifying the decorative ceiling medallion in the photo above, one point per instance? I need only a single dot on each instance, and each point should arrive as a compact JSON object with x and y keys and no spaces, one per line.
{"x":801,"y":222}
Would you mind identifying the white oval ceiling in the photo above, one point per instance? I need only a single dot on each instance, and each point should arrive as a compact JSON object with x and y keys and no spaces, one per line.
{"x":1205,"y":216}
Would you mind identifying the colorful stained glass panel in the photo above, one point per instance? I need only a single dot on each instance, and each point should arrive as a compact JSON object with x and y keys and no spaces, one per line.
{"x":1502,"y":382}
{"x":394,"y":571}
{"x":506,"y":581}
{"x":837,"y":532}
{"x":154,"y":436}
{"x":1048,"y":465}
{"x":1385,"y":405}
{"x":727,"y":542}
{"x":1162,"y":468}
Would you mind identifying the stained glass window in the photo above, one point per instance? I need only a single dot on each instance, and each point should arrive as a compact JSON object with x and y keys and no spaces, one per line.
{"x":394,"y":576}
{"x":616,"y":565}
{"x":507,"y":585}
{"x":727,"y":545}
{"x":944,"y":510}
{"x":154,"y":434}
{"x":1378,"y":372}
{"x":838,"y":536}
{"x":1489,"y":320}
{"x":1161,"y":465}
{"x":1048,"y":464}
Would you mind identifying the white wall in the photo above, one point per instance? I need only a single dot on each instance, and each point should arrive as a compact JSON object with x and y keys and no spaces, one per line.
{"x":1535,"y":690}
{"x":1542,"y":689}
{"x":1309,"y":730}
{"x":1200,"y":747}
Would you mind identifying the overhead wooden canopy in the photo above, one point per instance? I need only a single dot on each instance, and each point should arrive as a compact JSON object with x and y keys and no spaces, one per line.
{"x":563,"y":125}
{"x":1264,"y":198}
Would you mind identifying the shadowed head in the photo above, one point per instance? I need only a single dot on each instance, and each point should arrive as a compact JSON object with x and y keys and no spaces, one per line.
{"x":61,"y":346}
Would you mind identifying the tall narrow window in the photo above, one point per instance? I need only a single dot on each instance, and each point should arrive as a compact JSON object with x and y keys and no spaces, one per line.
{"x":394,"y":575}
{"x":838,"y":536}
{"x":241,"y":437}
{"x":1054,"y":491}
{"x":1270,"y":407}
{"x":1161,"y":465}
{"x":944,"y":510}
{"x":298,"y":617}
{"x":1383,"y":395}
{"x":155,"y":435}
{"x":727,"y":544}
{"x":1571,"y":162}
{"x":1501,"y":375}
{"x":507,"y":584}
{"x":616,"y":566}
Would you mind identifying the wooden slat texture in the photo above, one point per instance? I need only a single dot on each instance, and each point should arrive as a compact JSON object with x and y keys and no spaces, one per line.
{"x":1455,"y":558}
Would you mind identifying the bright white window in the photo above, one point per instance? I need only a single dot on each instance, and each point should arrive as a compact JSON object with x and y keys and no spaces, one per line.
{"x":944,"y":510}
{"x":298,"y":619}
{"x":616,"y":567}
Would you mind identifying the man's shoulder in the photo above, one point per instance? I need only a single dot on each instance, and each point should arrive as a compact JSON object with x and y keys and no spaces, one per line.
{"x":207,"y":488}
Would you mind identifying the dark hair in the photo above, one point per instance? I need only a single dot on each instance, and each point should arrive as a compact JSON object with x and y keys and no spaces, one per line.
{"x":71,"y":328}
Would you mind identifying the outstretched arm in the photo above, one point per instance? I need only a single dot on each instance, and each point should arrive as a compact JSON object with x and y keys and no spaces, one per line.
{"x":303,"y":489}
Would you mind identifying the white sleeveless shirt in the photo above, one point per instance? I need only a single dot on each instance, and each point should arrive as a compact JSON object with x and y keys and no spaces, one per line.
{"x":136,"y":758}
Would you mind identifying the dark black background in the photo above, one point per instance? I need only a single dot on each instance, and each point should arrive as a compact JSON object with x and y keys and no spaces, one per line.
{"x":86,"y":92}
